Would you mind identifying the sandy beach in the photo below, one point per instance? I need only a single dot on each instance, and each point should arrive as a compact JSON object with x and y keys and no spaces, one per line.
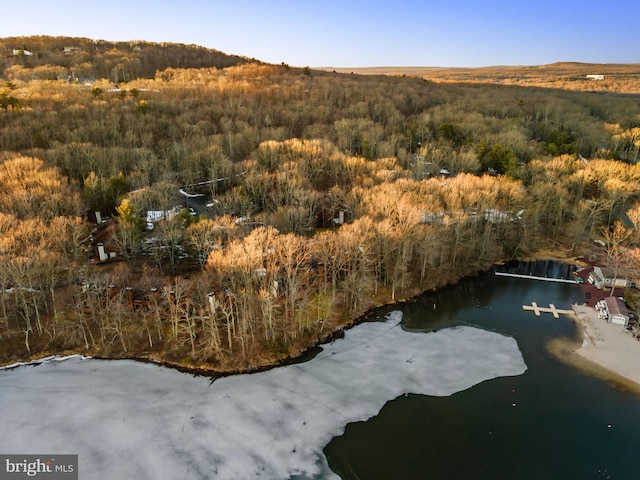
{"x":609,"y":346}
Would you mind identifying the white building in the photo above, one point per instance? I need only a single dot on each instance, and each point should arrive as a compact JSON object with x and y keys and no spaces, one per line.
{"x":613,"y":310}
{"x":154,"y":216}
{"x":605,"y":277}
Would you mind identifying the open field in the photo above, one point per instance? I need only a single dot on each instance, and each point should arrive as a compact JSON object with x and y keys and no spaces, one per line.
{"x":618,"y":78}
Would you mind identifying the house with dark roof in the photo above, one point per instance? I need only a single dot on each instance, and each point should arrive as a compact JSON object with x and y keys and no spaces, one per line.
{"x":614,"y":310}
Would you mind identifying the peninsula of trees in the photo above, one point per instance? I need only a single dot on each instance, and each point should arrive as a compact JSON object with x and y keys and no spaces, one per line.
{"x":175,"y":203}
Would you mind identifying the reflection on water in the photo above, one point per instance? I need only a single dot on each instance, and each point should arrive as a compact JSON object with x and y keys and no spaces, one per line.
{"x":553,"y":422}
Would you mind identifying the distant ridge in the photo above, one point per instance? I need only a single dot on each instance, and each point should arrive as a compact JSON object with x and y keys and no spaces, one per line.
{"x":603,"y":77}
{"x":550,"y":66}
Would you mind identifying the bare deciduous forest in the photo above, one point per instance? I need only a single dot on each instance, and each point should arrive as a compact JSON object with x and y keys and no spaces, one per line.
{"x":174,"y":203}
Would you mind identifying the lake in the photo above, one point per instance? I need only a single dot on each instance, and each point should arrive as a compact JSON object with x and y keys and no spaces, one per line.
{"x":552,"y":422}
{"x":455,"y":385}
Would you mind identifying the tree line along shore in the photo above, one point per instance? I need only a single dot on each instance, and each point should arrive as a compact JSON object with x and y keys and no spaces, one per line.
{"x":227,"y":218}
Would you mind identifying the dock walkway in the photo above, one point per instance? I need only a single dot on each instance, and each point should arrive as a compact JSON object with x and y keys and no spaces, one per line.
{"x":533,"y":277}
{"x":556,"y":312}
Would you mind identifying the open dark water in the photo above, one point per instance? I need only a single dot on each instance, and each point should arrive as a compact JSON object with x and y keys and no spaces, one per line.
{"x":552,"y":422}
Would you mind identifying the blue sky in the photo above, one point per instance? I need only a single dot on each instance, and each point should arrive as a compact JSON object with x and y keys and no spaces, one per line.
{"x":355,"y":33}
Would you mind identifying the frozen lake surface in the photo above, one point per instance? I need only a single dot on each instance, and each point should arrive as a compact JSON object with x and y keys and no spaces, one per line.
{"x":127,"y":419}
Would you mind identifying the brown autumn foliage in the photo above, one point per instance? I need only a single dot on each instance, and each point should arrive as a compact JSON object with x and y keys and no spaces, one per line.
{"x":318,"y":196}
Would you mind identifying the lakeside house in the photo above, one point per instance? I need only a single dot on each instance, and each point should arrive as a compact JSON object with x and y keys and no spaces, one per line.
{"x":614,"y":310}
{"x":605,"y":277}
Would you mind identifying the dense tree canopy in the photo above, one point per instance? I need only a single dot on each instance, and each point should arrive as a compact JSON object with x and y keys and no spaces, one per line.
{"x":314,"y":196}
{"x":75,"y":59}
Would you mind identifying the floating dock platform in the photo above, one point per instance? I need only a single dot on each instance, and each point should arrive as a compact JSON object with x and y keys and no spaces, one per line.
{"x":556,"y":312}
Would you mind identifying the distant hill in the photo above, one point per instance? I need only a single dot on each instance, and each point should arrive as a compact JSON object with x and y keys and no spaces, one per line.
{"x":608,"y":77}
{"x":50,"y":58}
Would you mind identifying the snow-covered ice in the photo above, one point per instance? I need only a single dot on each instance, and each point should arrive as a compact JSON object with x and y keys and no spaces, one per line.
{"x":127,"y":419}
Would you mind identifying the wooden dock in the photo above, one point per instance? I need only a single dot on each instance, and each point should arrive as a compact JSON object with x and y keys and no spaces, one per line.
{"x":556,"y":312}
{"x":533,"y":277}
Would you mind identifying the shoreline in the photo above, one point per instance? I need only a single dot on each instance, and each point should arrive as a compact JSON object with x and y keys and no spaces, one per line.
{"x":601,"y":349}
{"x":215,"y":372}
